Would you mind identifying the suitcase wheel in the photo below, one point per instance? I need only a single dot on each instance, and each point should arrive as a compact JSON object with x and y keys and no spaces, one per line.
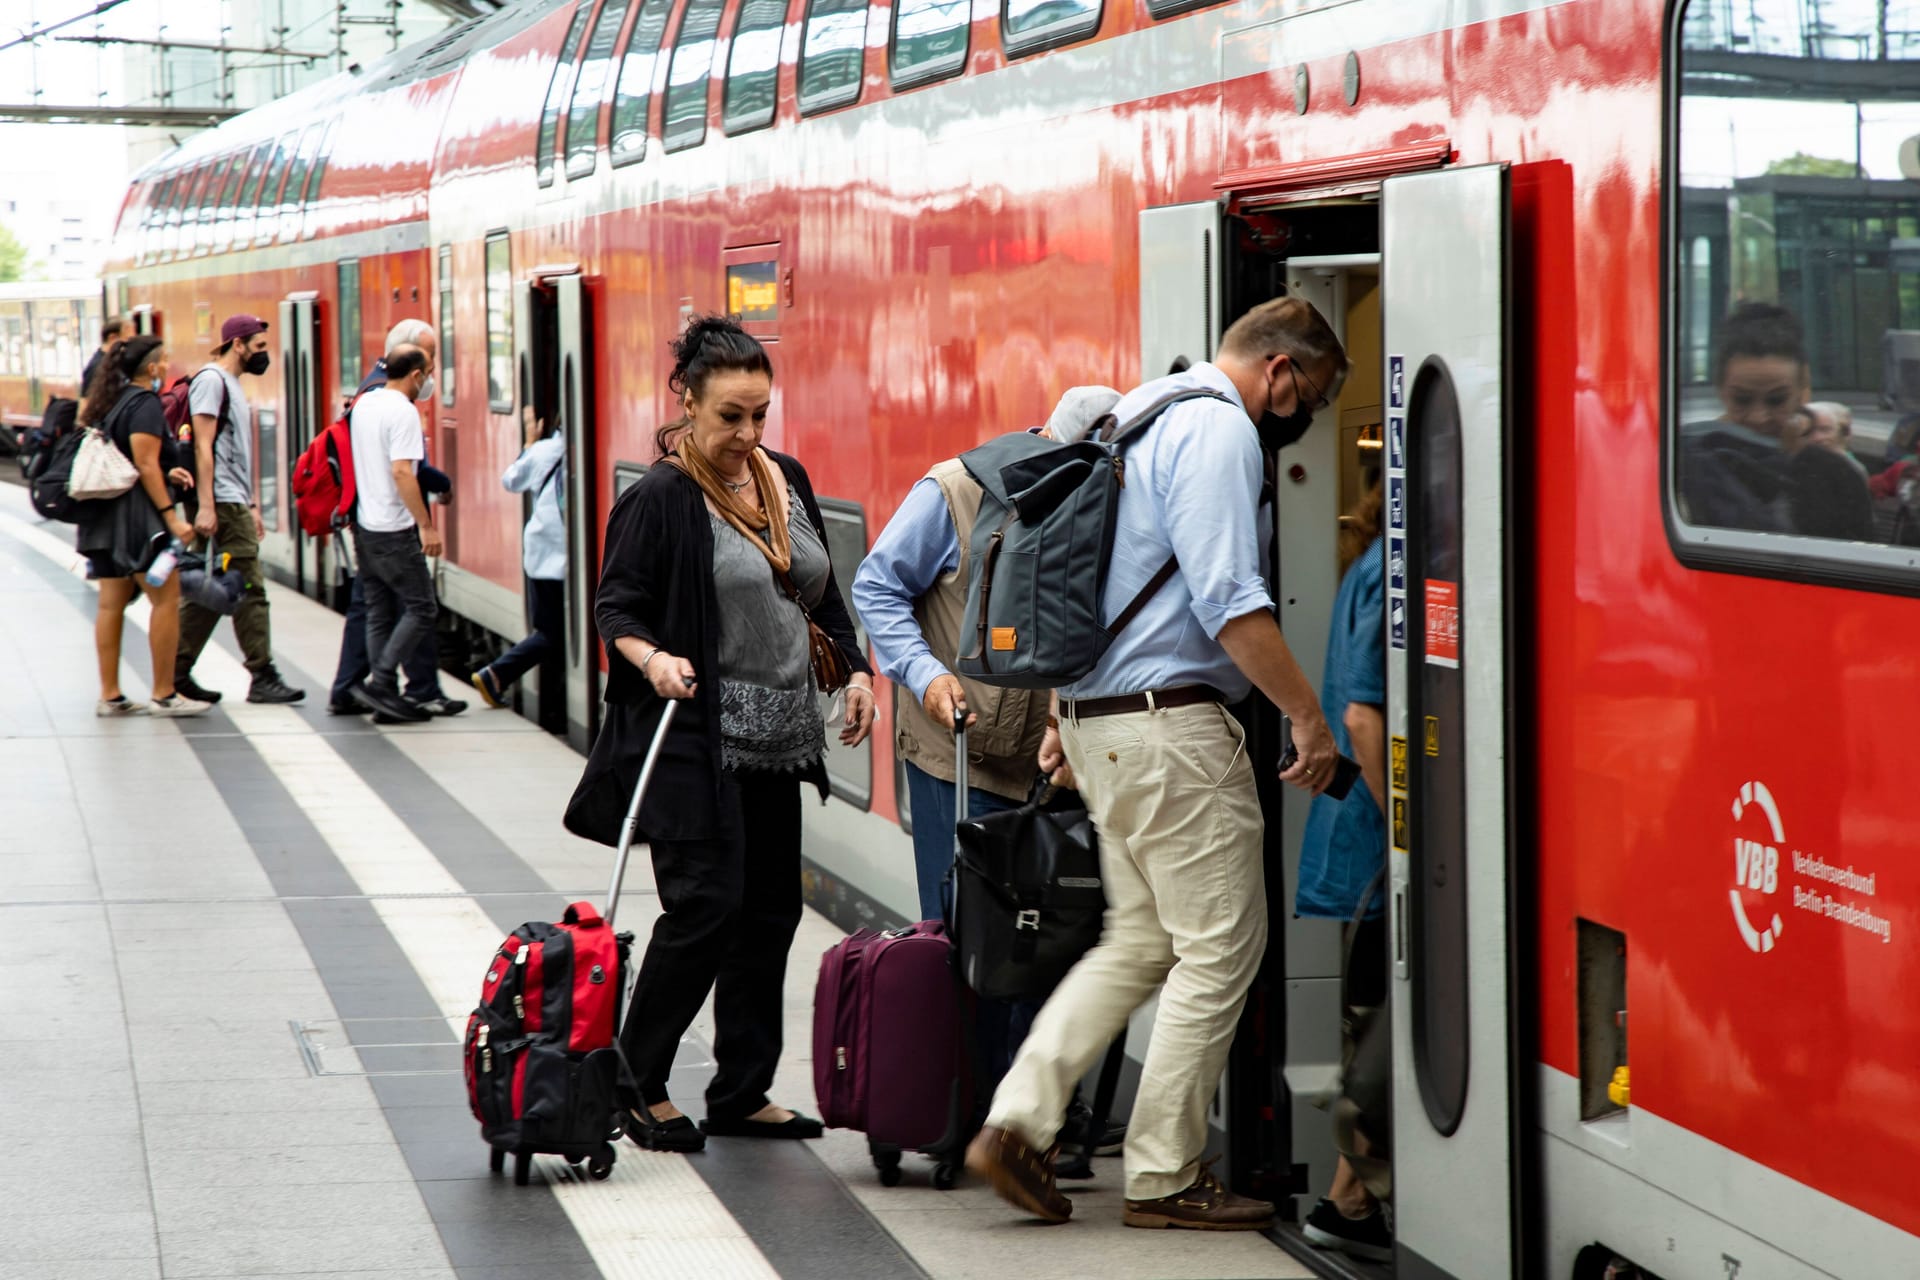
{"x":601,"y":1164}
{"x":497,"y":1159}
{"x":522,"y":1166}
{"x":887,"y":1161}
{"x":944,"y":1176}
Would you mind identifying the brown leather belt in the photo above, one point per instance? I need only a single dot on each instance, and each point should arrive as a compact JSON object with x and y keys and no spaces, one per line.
{"x":1186,"y":695}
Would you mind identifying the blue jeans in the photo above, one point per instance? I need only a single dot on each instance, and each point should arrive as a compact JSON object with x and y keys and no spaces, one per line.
{"x":549,"y":630}
{"x":422,"y":666}
{"x":1001,"y":1024}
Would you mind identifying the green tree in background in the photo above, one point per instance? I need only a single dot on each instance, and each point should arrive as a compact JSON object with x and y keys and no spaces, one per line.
{"x":13,"y":256}
{"x":1802,"y":165}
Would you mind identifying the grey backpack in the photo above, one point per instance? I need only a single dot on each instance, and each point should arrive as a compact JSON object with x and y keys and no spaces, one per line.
{"x":1037,"y":563}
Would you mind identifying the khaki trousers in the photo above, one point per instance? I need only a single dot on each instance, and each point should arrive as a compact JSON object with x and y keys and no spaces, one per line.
{"x":1181,"y":856}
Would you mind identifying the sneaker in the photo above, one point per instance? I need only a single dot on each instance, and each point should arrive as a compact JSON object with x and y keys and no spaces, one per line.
{"x":439,"y":705}
{"x":1018,"y":1174}
{"x":346,"y":708}
{"x":389,"y":701}
{"x":1207,"y":1205}
{"x":1113,"y":1140}
{"x":1367,"y":1237}
{"x":120,"y":706}
{"x":268,"y":687}
{"x":179,"y":704}
{"x":489,"y":686}
{"x":185,"y":685}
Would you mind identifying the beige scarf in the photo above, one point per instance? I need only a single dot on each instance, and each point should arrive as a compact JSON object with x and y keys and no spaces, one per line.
{"x":765,"y":529}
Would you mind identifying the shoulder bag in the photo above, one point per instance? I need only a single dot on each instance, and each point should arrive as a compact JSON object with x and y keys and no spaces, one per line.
{"x":100,"y":470}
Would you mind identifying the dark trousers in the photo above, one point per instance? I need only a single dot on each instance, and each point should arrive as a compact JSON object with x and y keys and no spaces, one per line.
{"x":729,"y":908}
{"x":400,"y":602}
{"x":549,"y":596}
{"x":233,"y":537}
{"x":421,"y":667}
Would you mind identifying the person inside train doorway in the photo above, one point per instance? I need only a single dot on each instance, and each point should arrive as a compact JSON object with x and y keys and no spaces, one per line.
{"x":1167,"y":779}
{"x":1342,"y":856}
{"x":393,"y":534}
{"x":421,"y":667}
{"x":541,"y":470}
{"x":223,"y":458}
{"x":911,"y":593}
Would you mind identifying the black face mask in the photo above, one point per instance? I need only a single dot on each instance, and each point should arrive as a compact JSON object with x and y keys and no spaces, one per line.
{"x":1276,"y":432}
{"x":257,"y":363}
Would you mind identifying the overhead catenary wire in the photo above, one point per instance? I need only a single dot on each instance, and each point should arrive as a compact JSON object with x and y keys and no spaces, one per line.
{"x":30,"y":36}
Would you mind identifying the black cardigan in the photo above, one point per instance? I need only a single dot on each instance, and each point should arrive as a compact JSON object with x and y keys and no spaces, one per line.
{"x":656,"y":582}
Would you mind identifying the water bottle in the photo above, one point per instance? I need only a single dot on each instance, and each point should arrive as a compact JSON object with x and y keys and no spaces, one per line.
{"x":163,"y":565}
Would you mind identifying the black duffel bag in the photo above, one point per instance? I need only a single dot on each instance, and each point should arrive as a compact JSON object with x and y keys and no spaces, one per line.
{"x":1026,"y":898}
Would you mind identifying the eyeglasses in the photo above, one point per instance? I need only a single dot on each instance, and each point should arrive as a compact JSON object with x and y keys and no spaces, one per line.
{"x":1320,"y":398}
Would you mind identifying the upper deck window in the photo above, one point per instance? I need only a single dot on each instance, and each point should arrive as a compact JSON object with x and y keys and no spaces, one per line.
{"x":319,"y":169}
{"x":633,"y":96}
{"x":236,"y":176}
{"x":295,"y":190}
{"x":753,"y":69}
{"x":1794,"y":229}
{"x":557,"y":90}
{"x":831,"y":54}
{"x":1027,"y":26}
{"x":929,"y":40}
{"x":581,"y":142}
{"x":270,"y":189}
{"x":256,"y":174}
{"x":686,"y":123}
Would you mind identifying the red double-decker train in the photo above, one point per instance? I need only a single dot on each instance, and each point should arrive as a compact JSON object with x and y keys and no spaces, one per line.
{"x":1602,"y":266}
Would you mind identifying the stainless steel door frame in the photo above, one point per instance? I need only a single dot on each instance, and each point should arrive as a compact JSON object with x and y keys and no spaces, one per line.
{"x":577,"y":425}
{"x":305,"y":417}
{"x":1445,"y":314}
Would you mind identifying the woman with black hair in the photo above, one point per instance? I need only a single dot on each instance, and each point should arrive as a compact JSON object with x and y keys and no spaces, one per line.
{"x":705,"y":557}
{"x":121,"y":536}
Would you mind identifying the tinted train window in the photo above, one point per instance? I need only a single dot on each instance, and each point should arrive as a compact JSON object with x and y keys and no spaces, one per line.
{"x":499,"y":323}
{"x":276,"y":173}
{"x":753,"y":68}
{"x":627,"y":136}
{"x":849,"y":769}
{"x":1167,"y":8}
{"x":444,"y":325}
{"x":831,"y":54}
{"x":557,"y":87}
{"x":686,"y":123}
{"x":1028,"y":25}
{"x":296,"y":187}
{"x":582,"y":139}
{"x":1795,"y":409}
{"x":929,"y":40}
{"x":256,"y":174}
{"x":319,"y":169}
{"x":236,"y":175}
{"x":349,"y":326}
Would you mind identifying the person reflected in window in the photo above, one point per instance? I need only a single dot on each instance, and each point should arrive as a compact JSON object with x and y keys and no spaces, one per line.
{"x":1746,"y":469}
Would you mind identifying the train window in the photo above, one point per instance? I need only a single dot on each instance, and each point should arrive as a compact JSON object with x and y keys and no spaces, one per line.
{"x":581,"y":141}
{"x":207,"y":204}
{"x":849,"y":769}
{"x":557,"y":87}
{"x":633,"y":96}
{"x":753,"y":64}
{"x":1794,"y":321}
{"x":13,"y":345}
{"x":256,"y":174}
{"x":444,"y":324}
{"x":831,"y":54}
{"x":270,"y":189}
{"x":266,"y":456}
{"x":296,"y":187}
{"x":626,"y":475}
{"x":350,"y":336}
{"x":319,"y":169}
{"x":499,"y":323}
{"x":236,"y":177}
{"x":1168,"y":8}
{"x":929,"y":40}
{"x":1027,"y":26}
{"x":686,"y":122}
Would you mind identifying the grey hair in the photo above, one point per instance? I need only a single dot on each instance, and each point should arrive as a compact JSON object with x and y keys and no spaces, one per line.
{"x":1078,"y":410}
{"x":405,"y":332}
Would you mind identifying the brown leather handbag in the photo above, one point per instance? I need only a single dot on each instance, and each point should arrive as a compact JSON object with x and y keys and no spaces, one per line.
{"x":831,"y":670}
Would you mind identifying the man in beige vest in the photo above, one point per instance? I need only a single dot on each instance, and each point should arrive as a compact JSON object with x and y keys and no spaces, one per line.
{"x":910,"y":593}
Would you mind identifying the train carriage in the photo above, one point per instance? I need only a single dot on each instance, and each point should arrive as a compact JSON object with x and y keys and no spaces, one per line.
{"x":1527,"y":219}
{"x":47,"y":331}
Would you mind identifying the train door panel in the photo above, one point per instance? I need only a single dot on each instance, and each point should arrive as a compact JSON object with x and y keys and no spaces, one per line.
{"x":306,"y":416}
{"x":1445,"y":316}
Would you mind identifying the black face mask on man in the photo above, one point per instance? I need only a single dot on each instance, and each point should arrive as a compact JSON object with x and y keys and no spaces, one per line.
{"x":257,"y":363}
{"x":1277,"y":432}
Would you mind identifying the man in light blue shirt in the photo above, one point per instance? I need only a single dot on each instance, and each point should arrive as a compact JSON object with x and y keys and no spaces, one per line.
{"x":1164,"y":770}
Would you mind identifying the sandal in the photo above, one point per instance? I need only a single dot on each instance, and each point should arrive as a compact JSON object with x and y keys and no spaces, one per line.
{"x":798,"y":1126}
{"x":678,"y":1134}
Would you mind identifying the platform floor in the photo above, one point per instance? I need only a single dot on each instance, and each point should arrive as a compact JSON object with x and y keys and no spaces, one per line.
{"x":239,"y":952}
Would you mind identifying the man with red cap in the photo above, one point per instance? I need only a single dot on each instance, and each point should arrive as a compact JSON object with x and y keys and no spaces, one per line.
{"x":223,"y":470}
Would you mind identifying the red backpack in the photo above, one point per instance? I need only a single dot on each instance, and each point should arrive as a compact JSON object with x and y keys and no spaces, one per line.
{"x":323,"y":488}
{"x":179,"y":413}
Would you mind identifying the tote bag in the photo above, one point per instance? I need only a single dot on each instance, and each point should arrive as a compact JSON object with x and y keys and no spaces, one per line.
{"x":100,"y":470}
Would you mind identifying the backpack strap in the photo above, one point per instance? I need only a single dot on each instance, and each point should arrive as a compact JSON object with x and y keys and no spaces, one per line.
{"x":226,"y":398}
{"x":1124,"y":431}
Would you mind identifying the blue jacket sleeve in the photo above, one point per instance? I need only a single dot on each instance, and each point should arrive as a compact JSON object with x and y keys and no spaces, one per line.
{"x":1367,"y":646}
{"x":912,"y":553}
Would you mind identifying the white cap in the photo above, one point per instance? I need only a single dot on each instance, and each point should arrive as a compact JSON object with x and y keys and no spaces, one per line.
{"x":1078,"y":410}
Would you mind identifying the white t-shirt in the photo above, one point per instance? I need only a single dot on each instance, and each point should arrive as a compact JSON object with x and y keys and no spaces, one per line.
{"x":386,"y":430}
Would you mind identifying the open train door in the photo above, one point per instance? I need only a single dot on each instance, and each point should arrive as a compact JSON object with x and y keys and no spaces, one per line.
{"x":555,"y":322}
{"x":306,"y":416}
{"x":1445,"y":319}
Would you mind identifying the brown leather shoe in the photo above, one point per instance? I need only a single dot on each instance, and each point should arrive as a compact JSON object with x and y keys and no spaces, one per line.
{"x":1019,"y":1174}
{"x":1204,"y":1206}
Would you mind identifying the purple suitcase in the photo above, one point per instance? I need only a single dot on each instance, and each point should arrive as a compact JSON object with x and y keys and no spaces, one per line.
{"x":890,"y":1056}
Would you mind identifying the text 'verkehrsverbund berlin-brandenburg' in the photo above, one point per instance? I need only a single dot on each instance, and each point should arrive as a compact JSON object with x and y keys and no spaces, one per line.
{"x":1818,"y":869}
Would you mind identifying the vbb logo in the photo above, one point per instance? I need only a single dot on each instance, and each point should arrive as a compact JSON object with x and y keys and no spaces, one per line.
{"x":1756,"y":866}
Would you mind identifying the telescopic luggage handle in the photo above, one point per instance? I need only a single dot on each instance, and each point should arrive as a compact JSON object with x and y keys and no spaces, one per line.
{"x":959,"y":770}
{"x":633,"y":808}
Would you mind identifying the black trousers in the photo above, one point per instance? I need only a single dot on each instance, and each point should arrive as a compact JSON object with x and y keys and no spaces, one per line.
{"x":729,"y":908}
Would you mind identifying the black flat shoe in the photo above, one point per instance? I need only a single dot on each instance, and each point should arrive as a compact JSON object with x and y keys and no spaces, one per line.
{"x":798,"y":1127}
{"x":678,"y":1134}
